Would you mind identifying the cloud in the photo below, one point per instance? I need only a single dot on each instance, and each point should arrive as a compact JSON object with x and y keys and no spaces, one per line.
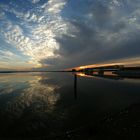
{"x":61,"y":34}
{"x":35,"y":1}
{"x":35,"y":34}
{"x":55,"y":6}
{"x":105,"y":32}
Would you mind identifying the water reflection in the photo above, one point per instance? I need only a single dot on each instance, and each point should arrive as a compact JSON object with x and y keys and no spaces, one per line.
{"x":28,"y":92}
{"x":109,"y":75}
{"x":24,"y":99}
{"x":51,"y":104}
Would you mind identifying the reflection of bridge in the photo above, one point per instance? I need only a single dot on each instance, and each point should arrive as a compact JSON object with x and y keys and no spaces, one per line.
{"x":117,"y":72}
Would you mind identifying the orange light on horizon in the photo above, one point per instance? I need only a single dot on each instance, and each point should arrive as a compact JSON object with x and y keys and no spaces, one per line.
{"x":84,"y":75}
{"x":96,"y":65}
{"x":81,"y":74}
{"x":126,"y":62}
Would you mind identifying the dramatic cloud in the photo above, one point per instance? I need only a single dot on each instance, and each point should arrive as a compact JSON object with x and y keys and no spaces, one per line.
{"x":62,"y":34}
{"x":107,"y":30}
{"x":34,"y":31}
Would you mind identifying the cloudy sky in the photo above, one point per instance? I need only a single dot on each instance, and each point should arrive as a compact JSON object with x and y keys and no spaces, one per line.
{"x":59,"y":34}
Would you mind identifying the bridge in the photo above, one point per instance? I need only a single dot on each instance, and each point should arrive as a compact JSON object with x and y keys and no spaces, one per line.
{"x":101,"y":69}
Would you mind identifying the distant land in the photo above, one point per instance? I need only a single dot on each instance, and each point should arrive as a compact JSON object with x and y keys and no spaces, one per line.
{"x":116,"y":69}
{"x":35,"y":71}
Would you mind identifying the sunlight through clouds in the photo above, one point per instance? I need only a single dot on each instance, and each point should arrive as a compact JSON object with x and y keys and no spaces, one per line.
{"x":57,"y":34}
{"x":35,"y":34}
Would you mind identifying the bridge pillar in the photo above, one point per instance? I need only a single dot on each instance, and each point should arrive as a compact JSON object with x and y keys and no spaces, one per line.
{"x":101,"y":72}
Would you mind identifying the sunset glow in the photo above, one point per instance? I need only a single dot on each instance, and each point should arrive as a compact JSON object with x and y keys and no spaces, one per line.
{"x":60,"y":34}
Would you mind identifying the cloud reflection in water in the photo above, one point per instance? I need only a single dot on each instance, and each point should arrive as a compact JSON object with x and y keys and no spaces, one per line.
{"x":28,"y":91}
{"x":23,"y":99}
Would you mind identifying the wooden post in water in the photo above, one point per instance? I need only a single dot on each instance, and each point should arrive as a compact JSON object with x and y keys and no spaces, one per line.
{"x":75,"y":86}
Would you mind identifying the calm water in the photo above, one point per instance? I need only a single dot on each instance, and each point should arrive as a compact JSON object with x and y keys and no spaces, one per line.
{"x":52,"y":104}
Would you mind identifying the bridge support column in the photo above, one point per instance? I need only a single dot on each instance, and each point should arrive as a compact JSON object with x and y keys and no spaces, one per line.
{"x":101,"y":72}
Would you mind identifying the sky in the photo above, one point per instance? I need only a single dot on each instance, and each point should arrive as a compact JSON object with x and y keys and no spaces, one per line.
{"x":61,"y":34}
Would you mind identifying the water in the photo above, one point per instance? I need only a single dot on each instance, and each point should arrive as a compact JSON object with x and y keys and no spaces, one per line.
{"x":54,"y":104}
